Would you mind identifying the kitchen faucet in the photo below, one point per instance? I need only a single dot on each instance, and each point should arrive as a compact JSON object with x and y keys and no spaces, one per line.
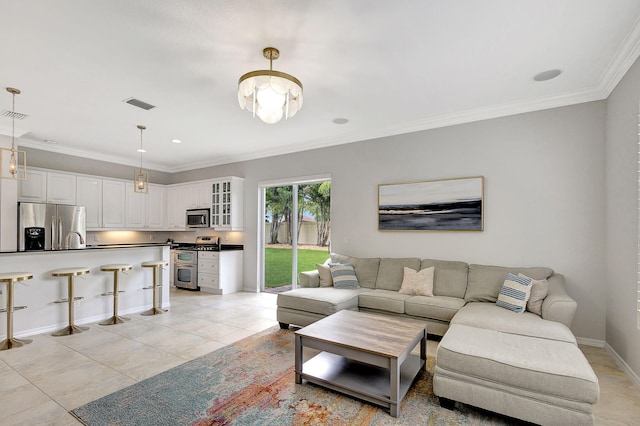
{"x":67,"y":239}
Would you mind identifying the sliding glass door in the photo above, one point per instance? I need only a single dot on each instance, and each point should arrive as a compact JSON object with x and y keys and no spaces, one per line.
{"x":296,"y":231}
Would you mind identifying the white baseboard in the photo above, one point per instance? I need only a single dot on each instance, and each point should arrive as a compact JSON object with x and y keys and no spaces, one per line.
{"x":623,"y":365}
{"x":590,"y":342}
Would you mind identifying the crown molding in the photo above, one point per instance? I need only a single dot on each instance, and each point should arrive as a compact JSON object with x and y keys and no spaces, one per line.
{"x":6,"y":130}
{"x":624,"y":58}
{"x":463,"y":117}
{"x":44,"y":146}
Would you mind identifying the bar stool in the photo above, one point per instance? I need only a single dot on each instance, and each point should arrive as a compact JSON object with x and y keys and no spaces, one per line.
{"x":155,"y":264}
{"x":70,"y":273}
{"x":10,"y":278}
{"x":115,"y":268}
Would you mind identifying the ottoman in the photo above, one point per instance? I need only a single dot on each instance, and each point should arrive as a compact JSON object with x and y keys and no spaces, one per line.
{"x":535,"y":379}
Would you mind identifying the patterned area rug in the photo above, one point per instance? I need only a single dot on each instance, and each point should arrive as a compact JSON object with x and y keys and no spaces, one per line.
{"x":252,"y":383}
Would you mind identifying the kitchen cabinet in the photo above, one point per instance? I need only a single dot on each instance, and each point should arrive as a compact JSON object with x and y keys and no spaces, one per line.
{"x":48,"y":187}
{"x":156,"y":207}
{"x":135,"y":207}
{"x":197,"y":195}
{"x":113,"y":203}
{"x":176,"y":207}
{"x":89,"y":194}
{"x":203,"y":194}
{"x":227,"y":198}
{"x":34,"y":188}
{"x":145,"y":210}
{"x":220,"y":272}
{"x":61,"y":188}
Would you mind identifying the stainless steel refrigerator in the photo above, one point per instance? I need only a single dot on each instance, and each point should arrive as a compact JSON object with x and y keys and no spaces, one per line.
{"x":51,"y":227}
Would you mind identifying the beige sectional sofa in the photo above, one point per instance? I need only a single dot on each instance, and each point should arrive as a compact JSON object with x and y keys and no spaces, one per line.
{"x":522,"y":365}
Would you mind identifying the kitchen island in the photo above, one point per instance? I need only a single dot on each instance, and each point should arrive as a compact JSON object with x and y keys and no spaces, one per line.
{"x":38,"y":294}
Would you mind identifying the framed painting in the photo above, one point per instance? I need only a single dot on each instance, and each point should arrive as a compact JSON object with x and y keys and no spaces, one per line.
{"x":437,"y":205}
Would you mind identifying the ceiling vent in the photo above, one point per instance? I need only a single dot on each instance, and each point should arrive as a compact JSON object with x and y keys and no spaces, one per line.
{"x":13,"y":115}
{"x":140,"y":104}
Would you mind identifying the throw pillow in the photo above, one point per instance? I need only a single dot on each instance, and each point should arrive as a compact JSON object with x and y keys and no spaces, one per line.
{"x":539,"y":290}
{"x":418,"y":283}
{"x":514,"y":293}
{"x":344,"y":276}
{"x":325,"y":275}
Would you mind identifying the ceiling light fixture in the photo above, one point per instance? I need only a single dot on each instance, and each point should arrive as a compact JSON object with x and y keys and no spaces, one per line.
{"x":270,"y":94}
{"x":140,"y":177}
{"x":13,"y":162}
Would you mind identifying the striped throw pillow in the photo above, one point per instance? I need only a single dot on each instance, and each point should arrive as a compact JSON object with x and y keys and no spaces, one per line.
{"x":344,"y":276}
{"x":514,"y":293}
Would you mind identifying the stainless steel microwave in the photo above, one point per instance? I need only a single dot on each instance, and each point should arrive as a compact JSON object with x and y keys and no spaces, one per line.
{"x":198,"y":218}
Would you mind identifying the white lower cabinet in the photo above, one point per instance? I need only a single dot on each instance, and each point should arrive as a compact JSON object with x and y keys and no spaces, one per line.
{"x":220,"y":272}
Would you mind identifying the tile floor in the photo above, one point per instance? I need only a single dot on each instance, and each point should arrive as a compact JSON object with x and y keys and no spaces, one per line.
{"x":40,"y":382}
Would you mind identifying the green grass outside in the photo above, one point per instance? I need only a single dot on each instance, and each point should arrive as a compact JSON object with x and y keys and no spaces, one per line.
{"x":277,"y":264}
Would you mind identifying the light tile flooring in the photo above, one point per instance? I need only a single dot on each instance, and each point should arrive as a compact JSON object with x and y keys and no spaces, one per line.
{"x":40,"y":382}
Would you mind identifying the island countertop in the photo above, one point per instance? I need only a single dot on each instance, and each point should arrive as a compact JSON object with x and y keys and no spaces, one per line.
{"x":90,"y":247}
{"x":39,"y":293}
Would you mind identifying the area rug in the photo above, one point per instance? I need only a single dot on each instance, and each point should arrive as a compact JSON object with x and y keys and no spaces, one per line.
{"x":252,"y":383}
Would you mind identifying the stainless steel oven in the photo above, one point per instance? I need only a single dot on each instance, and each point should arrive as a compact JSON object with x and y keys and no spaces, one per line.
{"x":185,"y":269}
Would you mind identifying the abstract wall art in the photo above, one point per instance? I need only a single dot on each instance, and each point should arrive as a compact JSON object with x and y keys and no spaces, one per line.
{"x":437,"y":205}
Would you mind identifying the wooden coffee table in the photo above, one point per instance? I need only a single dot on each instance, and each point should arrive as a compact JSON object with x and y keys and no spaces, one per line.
{"x":364,"y":355}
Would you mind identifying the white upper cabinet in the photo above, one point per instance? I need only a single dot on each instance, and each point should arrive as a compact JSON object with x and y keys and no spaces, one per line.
{"x":156,"y":207}
{"x":113,"y":203}
{"x":89,"y":194}
{"x":34,"y":188}
{"x":175,"y":207}
{"x":135,"y":207}
{"x":61,"y":188}
{"x":48,"y":187}
{"x":227,"y":199}
{"x":203,"y":194}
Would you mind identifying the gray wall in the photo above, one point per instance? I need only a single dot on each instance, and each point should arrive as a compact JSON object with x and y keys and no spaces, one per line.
{"x":622,"y":218}
{"x":544,"y":191}
{"x":68,"y":163}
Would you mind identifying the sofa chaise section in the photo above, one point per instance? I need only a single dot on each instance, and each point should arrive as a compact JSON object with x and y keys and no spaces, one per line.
{"x":544,"y":381}
{"x":304,"y":306}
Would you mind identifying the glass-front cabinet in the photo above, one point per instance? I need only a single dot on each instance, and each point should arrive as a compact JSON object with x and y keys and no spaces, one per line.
{"x":226,"y":204}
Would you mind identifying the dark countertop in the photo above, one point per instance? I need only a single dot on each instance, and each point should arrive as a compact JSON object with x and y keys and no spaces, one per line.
{"x":223,"y":247}
{"x":92,"y":247}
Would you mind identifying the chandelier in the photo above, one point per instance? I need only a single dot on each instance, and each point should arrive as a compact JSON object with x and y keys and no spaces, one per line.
{"x":13,"y":162}
{"x":140,"y":177}
{"x":270,"y":94}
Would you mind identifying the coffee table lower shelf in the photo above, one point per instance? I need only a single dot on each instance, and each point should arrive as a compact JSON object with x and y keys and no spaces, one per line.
{"x":364,"y":381}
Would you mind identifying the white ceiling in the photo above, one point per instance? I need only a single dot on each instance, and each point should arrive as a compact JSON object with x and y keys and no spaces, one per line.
{"x":389,"y":67}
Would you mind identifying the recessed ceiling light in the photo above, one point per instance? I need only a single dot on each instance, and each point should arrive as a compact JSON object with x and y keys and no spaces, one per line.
{"x":176,"y":141}
{"x":547,"y":75}
{"x":50,"y":141}
{"x":340,"y":120}
{"x":141,"y":150}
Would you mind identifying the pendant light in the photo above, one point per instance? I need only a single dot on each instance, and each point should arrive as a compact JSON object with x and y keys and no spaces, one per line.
{"x":13,"y":162}
{"x":140,"y":177}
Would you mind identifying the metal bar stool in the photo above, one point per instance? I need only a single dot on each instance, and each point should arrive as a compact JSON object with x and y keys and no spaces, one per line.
{"x":115,"y":268}
{"x":155,"y":264}
{"x":10,"y":278}
{"x":70,"y":273}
